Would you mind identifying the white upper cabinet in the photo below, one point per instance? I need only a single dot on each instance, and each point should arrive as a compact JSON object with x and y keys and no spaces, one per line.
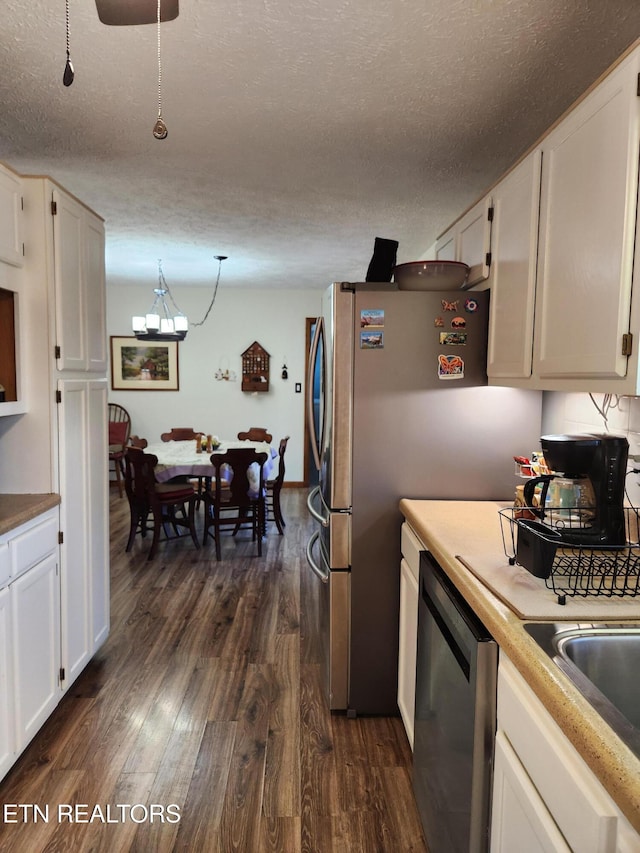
{"x":469,"y":241}
{"x":561,"y":287}
{"x":474,"y":240}
{"x":78,"y":237}
{"x":587,"y":233}
{"x":10,"y":217}
{"x":446,"y":246}
{"x":96,"y":315}
{"x":513,"y":274}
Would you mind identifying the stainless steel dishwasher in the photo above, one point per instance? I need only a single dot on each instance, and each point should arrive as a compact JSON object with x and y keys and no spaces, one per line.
{"x":455,"y":719}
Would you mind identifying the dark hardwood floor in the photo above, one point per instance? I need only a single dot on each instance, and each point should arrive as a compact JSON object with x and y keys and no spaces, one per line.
{"x":205,"y":705}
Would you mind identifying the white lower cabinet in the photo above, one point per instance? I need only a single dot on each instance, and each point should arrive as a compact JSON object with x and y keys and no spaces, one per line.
{"x":30,"y":648}
{"x":7,"y":717}
{"x":36,"y":641}
{"x":520,"y":819}
{"x":545,"y":797}
{"x":408,"y":636}
{"x":82,"y":426}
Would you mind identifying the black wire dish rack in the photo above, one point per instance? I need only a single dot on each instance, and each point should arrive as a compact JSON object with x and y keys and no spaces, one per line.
{"x":566,"y":568}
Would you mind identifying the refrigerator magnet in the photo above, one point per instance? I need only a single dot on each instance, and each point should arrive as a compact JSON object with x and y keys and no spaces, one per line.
{"x":372,"y":318}
{"x":450,"y":367}
{"x":371,"y":339}
{"x":471,"y":305}
{"x":453,"y":339}
{"x":450,"y":305}
{"x":438,"y":322}
{"x":458,"y":323}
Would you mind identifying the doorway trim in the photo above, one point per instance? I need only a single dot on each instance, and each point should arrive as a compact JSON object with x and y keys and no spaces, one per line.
{"x":309,"y":321}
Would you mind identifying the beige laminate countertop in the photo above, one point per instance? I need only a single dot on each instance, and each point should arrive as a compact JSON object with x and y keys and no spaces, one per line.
{"x":17,"y":509}
{"x":449,"y":528}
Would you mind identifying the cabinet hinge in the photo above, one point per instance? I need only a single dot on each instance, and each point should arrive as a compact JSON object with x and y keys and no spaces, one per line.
{"x":490,"y":214}
{"x":627,"y":344}
{"x":58,"y":396}
{"x":21,"y":202}
{"x":638,"y":89}
{"x":56,"y":351}
{"x":63,"y":674}
{"x":23,"y":251}
{"x":60,"y":537}
{"x":487,"y":259}
{"x":54,"y":208}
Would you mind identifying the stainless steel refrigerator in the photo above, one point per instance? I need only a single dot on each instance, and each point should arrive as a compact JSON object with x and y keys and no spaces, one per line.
{"x":401,"y":409}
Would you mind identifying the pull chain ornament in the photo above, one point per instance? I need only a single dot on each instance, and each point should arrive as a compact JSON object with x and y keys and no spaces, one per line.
{"x":67,"y":77}
{"x":160,"y":128}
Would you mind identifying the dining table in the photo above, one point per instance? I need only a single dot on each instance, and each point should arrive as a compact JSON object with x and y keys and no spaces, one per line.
{"x":180,"y":458}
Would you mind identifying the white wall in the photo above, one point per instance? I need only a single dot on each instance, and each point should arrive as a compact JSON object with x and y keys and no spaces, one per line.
{"x":275,"y":318}
{"x":576,"y":413}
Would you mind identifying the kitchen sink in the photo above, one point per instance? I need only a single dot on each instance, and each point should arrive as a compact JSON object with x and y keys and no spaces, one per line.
{"x":603,"y":661}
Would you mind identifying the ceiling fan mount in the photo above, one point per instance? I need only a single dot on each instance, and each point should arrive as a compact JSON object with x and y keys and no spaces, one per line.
{"x":122,"y":13}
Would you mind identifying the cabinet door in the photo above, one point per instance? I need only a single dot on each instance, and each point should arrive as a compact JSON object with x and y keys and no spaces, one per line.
{"x":75,"y":516}
{"x":10,"y":218}
{"x":36,"y":647}
{"x":84,"y":555}
{"x":446,"y":246}
{"x":94,"y":286}
{"x":407,"y":647}
{"x":7,"y":719}
{"x":519,"y":818}
{"x":514,"y":240}
{"x":98,"y":493}
{"x":587,"y":231}
{"x":580,"y":807}
{"x":69,"y":290}
{"x":474,"y":240}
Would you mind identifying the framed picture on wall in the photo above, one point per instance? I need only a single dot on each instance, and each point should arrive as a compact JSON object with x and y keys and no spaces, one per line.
{"x":144,"y":365}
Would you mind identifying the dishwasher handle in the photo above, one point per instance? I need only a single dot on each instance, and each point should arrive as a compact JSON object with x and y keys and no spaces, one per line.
{"x":456,"y":649}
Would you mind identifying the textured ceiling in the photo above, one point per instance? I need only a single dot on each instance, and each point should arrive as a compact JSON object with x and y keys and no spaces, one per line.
{"x":299,"y":130}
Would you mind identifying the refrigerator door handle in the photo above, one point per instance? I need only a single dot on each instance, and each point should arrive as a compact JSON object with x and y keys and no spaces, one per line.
{"x":315,"y":568}
{"x":324,"y":520}
{"x":314,"y":438}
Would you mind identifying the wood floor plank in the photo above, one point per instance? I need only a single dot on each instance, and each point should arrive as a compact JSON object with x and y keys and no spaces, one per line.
{"x":318,"y":779}
{"x":279,"y":835}
{"x":242,"y":806}
{"x":282,"y":768}
{"x":30,"y":833}
{"x":203,"y":810}
{"x":176,"y":773}
{"x":207,"y":698}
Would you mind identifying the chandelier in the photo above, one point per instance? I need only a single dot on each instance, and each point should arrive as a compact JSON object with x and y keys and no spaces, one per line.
{"x":158,"y":324}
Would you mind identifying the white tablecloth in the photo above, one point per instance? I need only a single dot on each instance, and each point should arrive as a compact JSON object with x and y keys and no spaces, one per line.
{"x":179,"y":458}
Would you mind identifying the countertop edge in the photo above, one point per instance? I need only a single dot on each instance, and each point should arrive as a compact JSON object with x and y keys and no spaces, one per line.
{"x":615,"y":766}
{"x":18,"y":509}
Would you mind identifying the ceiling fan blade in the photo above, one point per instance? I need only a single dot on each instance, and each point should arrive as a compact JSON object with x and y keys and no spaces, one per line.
{"x":120,"y":13}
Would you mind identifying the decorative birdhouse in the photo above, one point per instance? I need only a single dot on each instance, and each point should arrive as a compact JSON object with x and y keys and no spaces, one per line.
{"x":255,"y":368}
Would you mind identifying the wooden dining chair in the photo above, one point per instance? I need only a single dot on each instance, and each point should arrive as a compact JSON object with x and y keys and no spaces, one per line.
{"x":136,"y":441}
{"x":172,"y":505}
{"x":186,"y":434}
{"x":180,"y":434}
{"x":255,"y":434}
{"x":273,"y":488}
{"x":235,"y":496}
{"x":119,"y":429}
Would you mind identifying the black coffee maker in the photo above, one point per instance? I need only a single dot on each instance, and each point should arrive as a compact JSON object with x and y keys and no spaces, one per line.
{"x":603,"y":460}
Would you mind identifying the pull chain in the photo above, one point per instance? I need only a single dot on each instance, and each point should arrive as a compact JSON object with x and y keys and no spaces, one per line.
{"x":160,"y":128}
{"x":67,"y":77}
